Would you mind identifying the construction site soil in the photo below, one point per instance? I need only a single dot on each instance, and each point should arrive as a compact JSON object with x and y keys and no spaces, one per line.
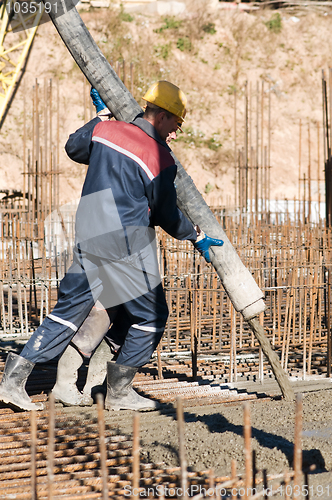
{"x":213,"y":434}
{"x":214,"y":437}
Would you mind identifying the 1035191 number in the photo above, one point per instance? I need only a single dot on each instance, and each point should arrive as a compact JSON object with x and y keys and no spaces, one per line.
{"x":305,"y":490}
{"x":24,"y":7}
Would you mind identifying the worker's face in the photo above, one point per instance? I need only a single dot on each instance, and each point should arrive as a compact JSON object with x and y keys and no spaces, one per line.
{"x":167,"y":126}
{"x":171,"y":136}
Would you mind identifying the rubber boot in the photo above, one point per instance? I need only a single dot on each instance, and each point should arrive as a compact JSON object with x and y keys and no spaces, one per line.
{"x":92,"y":330}
{"x":97,"y":370}
{"x":12,"y":386}
{"x":120,"y":393}
{"x":65,"y":390}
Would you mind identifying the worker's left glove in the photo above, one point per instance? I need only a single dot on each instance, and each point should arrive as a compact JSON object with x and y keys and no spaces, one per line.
{"x":101,"y":108}
{"x":203,"y":244}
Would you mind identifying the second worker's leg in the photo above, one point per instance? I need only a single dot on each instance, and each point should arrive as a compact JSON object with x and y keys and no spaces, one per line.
{"x":83,"y":344}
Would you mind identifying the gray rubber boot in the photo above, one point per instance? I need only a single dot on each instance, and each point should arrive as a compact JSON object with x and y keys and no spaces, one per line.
{"x":12,"y":386}
{"x":97,"y":370}
{"x":65,"y":390}
{"x":120,"y":393}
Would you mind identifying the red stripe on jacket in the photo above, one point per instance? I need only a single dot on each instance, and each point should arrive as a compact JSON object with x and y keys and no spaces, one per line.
{"x":136,"y":141}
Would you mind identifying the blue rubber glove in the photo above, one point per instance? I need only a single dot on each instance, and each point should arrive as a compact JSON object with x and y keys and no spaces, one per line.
{"x":204,"y":243}
{"x":97,"y":100}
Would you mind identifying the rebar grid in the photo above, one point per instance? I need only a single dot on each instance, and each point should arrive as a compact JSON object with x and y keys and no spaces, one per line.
{"x":288,"y":255}
{"x":85,"y":457}
{"x":290,"y":262}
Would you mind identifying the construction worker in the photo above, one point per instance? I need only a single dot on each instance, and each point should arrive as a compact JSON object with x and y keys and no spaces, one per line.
{"x":128,"y":190}
{"x":93,"y":332}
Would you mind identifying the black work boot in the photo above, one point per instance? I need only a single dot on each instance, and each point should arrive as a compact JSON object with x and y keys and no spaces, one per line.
{"x":12,"y":386}
{"x":120,"y":393}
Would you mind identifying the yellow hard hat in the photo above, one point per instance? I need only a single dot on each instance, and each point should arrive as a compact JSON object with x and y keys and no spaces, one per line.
{"x":167,"y":96}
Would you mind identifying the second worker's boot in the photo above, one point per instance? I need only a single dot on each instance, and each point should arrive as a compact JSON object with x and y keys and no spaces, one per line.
{"x":120,"y":393}
{"x":12,"y":386}
{"x":65,"y":390}
{"x":97,"y":370}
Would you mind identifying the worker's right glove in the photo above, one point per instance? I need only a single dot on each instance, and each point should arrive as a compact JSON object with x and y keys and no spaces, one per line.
{"x":203,"y":244}
{"x":99,"y":104}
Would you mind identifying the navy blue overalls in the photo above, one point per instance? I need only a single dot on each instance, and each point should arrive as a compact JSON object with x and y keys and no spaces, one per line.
{"x":128,"y":190}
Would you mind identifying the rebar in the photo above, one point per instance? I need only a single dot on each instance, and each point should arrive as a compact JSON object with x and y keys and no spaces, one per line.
{"x":33,"y":455}
{"x":182,"y":448}
{"x":102,"y":446}
{"x":136,"y":456}
{"x":288,"y":255}
{"x":247,"y":449}
{"x":51,"y":437}
{"x":298,"y":443}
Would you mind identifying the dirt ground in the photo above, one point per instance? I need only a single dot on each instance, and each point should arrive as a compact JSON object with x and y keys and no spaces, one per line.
{"x":214,"y":436}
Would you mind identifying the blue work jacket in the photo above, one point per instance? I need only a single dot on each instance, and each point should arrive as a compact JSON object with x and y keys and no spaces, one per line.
{"x":129,"y":188}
